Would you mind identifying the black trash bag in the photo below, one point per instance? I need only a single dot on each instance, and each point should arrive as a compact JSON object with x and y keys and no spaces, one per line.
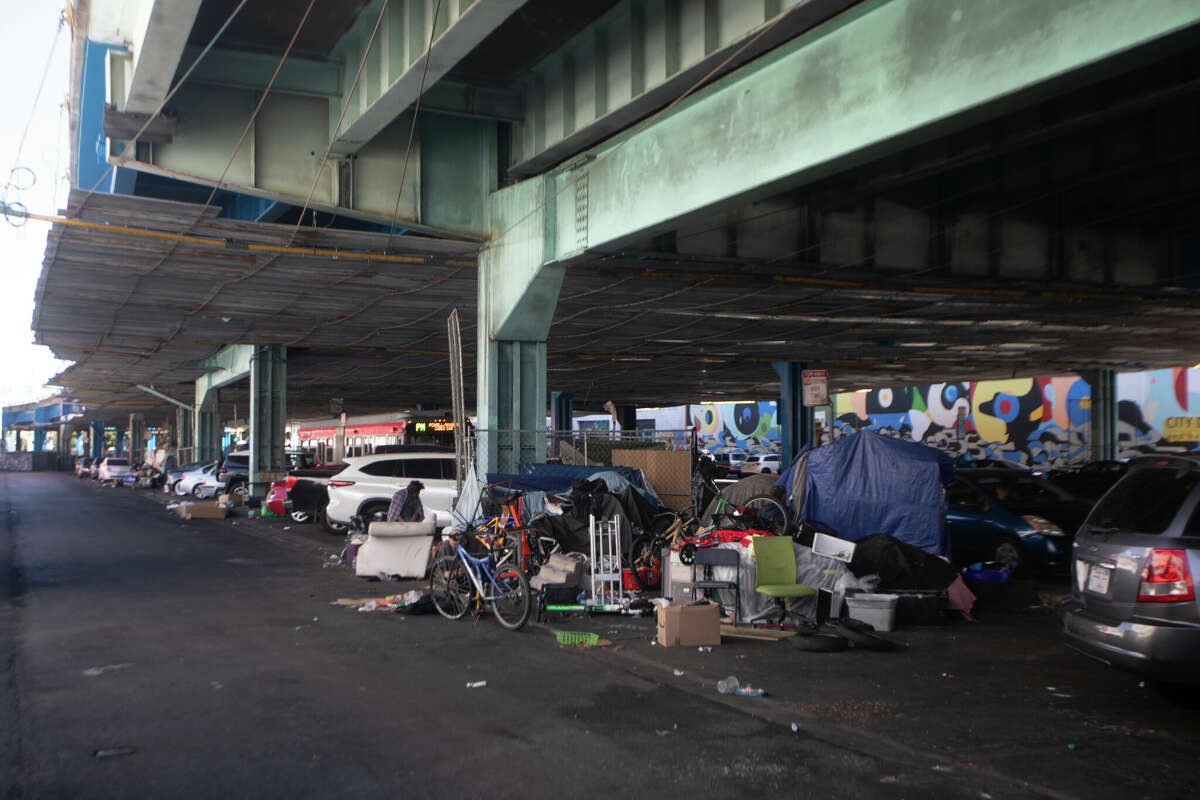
{"x":900,"y":565}
{"x":423,"y":606}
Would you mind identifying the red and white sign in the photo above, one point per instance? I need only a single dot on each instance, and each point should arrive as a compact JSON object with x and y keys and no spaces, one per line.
{"x":814,"y":387}
{"x":374,"y":429}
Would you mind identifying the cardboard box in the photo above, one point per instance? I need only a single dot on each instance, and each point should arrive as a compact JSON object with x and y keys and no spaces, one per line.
{"x":236,"y":499}
{"x":209,"y":510}
{"x":683,"y":625}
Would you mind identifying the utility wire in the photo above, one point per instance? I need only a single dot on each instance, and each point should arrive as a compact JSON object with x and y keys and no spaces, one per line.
{"x":62,"y":19}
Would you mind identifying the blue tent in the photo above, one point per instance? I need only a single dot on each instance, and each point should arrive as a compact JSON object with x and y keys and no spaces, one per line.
{"x":866,"y":483}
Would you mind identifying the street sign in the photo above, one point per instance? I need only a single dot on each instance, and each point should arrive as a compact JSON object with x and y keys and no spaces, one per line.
{"x":336,"y":406}
{"x":814,"y":387}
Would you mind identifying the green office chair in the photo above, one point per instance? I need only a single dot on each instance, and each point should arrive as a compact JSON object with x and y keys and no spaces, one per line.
{"x":775,"y":571}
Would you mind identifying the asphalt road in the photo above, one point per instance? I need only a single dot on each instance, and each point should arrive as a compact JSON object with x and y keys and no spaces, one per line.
{"x":147,"y":656}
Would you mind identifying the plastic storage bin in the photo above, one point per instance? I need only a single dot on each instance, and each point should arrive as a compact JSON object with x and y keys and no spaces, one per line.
{"x":877,"y":610}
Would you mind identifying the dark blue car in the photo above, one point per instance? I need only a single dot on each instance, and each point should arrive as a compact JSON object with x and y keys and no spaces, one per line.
{"x":982,"y":528}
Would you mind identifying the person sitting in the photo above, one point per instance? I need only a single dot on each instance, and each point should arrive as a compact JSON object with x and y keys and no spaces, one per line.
{"x":406,"y":504}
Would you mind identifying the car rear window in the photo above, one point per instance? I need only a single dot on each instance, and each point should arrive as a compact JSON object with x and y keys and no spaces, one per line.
{"x":385,"y":468}
{"x":118,"y":462}
{"x":237,"y":461}
{"x":434,"y":468}
{"x":1145,"y":500}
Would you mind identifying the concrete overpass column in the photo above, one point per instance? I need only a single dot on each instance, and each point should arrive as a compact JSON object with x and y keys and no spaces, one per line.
{"x":96,"y":435}
{"x":1104,"y":412}
{"x":185,"y":435}
{"x":627,"y":417}
{"x":518,"y":293}
{"x":208,"y":427}
{"x":795,"y":419}
{"x":561,"y":410}
{"x":137,"y":439}
{"x":268,"y":411}
{"x":39,"y":439}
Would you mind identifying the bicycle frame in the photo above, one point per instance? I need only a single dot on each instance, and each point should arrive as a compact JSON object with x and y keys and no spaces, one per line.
{"x":477,"y":568}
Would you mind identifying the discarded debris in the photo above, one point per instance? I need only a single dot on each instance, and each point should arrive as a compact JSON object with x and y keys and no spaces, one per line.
{"x":703,"y":649}
{"x":942,"y":768}
{"x":92,"y":672}
{"x":113,"y":752}
{"x":679,"y":673}
{"x":749,"y":691}
{"x":663,"y":733}
{"x":477,"y":685}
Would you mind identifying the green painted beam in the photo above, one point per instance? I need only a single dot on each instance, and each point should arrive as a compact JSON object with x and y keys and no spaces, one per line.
{"x":879,"y":78}
{"x":245,"y":70}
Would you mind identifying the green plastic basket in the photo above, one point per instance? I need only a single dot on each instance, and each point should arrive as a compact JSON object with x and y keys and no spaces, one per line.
{"x":579,"y":638}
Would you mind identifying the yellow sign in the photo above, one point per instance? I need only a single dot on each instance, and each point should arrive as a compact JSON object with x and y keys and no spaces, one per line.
{"x":434,"y":426}
{"x":1181,"y":429}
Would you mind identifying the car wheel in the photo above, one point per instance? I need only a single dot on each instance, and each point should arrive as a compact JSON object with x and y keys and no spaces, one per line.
{"x":765,"y":471}
{"x":373,"y":512}
{"x":336,"y":528}
{"x":177,"y":488}
{"x":1008,"y":552}
{"x":198,"y":490}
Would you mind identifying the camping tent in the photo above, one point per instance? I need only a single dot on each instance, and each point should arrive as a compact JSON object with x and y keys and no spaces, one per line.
{"x":866,"y":483}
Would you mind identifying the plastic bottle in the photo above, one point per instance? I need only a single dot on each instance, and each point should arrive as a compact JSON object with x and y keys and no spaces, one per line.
{"x":727,"y":685}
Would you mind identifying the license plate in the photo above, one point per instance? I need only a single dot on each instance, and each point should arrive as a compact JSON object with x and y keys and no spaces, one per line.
{"x":1098,"y":579}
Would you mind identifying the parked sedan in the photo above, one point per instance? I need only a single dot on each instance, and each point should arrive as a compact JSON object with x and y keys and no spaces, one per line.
{"x":83,"y":466}
{"x":982,"y":528}
{"x":201,"y":482}
{"x":112,"y":469}
{"x":1133,"y":600}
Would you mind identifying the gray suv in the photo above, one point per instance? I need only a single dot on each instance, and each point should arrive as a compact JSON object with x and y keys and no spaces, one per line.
{"x":1133,"y":599}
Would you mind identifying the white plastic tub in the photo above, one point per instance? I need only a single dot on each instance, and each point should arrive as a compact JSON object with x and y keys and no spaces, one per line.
{"x":877,"y":610}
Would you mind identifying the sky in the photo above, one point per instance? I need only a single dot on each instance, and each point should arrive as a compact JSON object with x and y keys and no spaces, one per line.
{"x":27,"y":36}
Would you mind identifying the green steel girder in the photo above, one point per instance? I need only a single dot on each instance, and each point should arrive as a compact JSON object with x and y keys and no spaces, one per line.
{"x":246,"y":70}
{"x":879,"y":78}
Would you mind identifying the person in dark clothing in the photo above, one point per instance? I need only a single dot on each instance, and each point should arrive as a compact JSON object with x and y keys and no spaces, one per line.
{"x":406,"y":504}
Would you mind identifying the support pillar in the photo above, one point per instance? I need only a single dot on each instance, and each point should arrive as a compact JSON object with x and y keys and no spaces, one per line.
{"x":268,"y":411}
{"x":795,"y":419}
{"x":627,"y":417}
{"x":137,"y":439}
{"x":514,"y":431}
{"x":96,"y":434}
{"x":39,"y":439}
{"x":120,"y":443}
{"x":208,"y":427}
{"x":185,"y":436}
{"x":1104,"y":412}
{"x":562,"y":406}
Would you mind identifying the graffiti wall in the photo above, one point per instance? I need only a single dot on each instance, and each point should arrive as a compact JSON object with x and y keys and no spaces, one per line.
{"x":1158,"y":410}
{"x":752,"y":427}
{"x":1045,"y":421}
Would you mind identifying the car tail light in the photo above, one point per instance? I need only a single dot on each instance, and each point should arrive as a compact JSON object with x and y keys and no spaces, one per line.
{"x":1166,"y":578}
{"x":341,"y":483}
{"x":222,"y":471}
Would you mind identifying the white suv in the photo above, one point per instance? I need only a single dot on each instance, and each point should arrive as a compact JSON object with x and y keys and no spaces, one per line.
{"x":366,"y":486}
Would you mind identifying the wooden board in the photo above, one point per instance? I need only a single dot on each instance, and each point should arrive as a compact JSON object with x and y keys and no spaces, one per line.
{"x":668,"y":471}
{"x":761,"y":634}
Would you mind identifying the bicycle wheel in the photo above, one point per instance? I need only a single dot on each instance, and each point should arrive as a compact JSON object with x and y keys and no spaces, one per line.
{"x":450,"y":586}
{"x":645,"y":563}
{"x":765,"y":513}
{"x":512,"y":606}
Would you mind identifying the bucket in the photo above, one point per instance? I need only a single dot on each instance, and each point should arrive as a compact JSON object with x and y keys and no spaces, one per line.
{"x":877,"y":610}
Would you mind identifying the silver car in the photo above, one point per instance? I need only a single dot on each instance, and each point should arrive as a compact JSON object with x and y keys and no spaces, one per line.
{"x":1133,"y":600}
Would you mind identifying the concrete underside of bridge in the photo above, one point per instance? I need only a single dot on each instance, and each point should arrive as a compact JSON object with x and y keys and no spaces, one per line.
{"x":900,"y":191}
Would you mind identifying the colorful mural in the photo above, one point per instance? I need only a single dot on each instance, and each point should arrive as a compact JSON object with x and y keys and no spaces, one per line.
{"x":1044,"y":421}
{"x":1158,"y":410}
{"x":752,"y":427}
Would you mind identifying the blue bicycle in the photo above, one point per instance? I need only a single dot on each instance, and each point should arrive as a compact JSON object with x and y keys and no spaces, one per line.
{"x":459,"y":582}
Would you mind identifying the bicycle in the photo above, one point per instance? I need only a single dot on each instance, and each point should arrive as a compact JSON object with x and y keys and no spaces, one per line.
{"x":459,"y":581}
{"x":761,"y":512}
